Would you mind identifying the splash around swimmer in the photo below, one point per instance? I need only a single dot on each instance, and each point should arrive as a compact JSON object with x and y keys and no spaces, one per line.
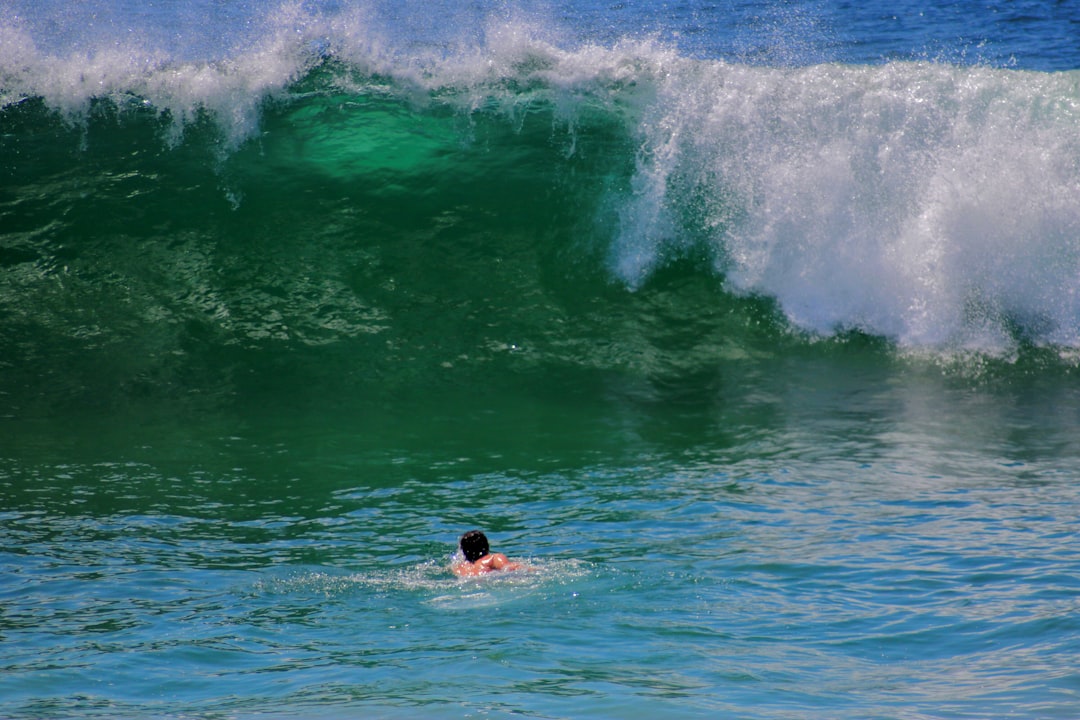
{"x":479,"y":559}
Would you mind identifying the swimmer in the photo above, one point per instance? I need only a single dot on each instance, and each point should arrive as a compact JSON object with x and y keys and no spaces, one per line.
{"x":478,"y":557}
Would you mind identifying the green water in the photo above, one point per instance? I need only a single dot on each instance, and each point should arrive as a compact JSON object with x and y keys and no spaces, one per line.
{"x":823,"y":536}
{"x":253,"y":389}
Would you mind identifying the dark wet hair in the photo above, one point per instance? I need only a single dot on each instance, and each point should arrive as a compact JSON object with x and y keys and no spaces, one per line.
{"x":474,"y":545}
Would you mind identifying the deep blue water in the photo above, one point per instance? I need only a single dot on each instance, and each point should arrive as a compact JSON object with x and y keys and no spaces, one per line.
{"x":751,"y":326}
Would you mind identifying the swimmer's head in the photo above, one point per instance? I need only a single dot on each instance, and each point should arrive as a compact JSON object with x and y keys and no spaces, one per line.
{"x":474,"y":545}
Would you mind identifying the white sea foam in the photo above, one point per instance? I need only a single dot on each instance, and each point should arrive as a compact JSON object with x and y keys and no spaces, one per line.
{"x":230,"y":88}
{"x":432,"y":582}
{"x":933,"y":204}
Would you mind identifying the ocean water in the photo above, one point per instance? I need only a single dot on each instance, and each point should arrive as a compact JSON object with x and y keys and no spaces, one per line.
{"x":752,"y":327}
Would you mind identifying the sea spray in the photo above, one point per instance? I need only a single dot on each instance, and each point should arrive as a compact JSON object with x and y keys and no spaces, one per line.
{"x":931,"y":204}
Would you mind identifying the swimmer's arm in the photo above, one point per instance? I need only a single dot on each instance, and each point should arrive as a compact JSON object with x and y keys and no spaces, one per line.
{"x":501,"y":562}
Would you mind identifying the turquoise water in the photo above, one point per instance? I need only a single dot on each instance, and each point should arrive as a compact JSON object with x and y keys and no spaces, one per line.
{"x":752,"y":328}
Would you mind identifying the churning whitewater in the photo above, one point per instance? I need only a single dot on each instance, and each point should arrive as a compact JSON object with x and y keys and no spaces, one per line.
{"x":932,"y":204}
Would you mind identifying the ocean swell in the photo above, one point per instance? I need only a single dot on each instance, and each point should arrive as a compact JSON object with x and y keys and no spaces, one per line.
{"x":935,"y":205}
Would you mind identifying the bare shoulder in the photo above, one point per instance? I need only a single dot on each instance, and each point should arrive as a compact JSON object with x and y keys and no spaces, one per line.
{"x":465,"y":569}
{"x":501,"y":562}
{"x":489,"y":563}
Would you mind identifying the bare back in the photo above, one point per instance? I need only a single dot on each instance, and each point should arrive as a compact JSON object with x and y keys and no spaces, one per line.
{"x":488,"y":563}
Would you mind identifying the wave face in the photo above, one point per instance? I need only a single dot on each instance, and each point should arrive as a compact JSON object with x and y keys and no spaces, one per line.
{"x":512,"y":194}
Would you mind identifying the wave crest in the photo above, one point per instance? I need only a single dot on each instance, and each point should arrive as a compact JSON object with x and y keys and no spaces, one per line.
{"x":935,"y":205}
